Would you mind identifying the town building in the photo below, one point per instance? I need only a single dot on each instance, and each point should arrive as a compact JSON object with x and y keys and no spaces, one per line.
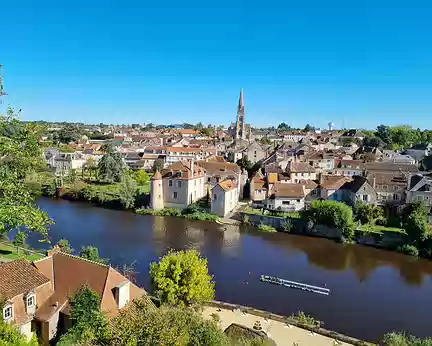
{"x":225,"y":197}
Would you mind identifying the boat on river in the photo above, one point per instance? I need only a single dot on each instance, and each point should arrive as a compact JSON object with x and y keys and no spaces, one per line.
{"x":294,"y":284}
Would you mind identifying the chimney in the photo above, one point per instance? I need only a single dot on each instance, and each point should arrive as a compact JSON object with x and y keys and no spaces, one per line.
{"x":374,"y":181}
{"x":321,"y":178}
{"x":192,"y":168}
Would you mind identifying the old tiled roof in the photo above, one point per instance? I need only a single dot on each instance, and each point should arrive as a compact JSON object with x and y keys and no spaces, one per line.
{"x":288,"y":190}
{"x":214,"y":167}
{"x":390,"y":167}
{"x":300,"y":167}
{"x":182,"y":170}
{"x":70,"y":273}
{"x":333,"y":182}
{"x":18,"y":277}
{"x":227,"y":185}
{"x":156,"y":176}
{"x":387,"y":179}
{"x":308,"y":184}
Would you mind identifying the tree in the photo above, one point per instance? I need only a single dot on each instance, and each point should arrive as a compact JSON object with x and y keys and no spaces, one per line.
{"x":64,"y":246}
{"x":90,"y":326}
{"x":244,"y":163}
{"x":142,"y":177}
{"x":111,"y":165}
{"x":127,"y":191}
{"x":90,"y":165}
{"x":10,"y":335}
{"x":283,"y":127}
{"x":417,"y":223}
{"x":384,"y":132}
{"x":367,"y":213}
{"x":373,"y":142}
{"x":308,"y":128}
{"x":69,"y":133}
{"x":181,"y":278}
{"x":158,"y":165}
{"x":20,"y":239}
{"x":402,"y":339}
{"x":92,"y":253}
{"x":20,"y":154}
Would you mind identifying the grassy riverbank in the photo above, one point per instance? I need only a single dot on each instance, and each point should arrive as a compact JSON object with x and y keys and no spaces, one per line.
{"x":10,"y":252}
{"x":190,"y":213}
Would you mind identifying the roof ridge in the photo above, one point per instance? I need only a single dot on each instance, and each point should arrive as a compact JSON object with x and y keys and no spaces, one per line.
{"x":84,"y":259}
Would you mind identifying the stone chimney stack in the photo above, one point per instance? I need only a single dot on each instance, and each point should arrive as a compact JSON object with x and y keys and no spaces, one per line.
{"x":192,"y":168}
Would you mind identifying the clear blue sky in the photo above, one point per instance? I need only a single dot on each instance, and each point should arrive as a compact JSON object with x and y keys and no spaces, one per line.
{"x":355,"y":62}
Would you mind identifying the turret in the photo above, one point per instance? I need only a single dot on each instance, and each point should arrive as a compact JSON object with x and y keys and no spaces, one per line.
{"x":156,"y":193}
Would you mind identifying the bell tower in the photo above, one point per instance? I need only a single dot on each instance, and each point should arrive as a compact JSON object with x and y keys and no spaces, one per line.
{"x":240,"y":123}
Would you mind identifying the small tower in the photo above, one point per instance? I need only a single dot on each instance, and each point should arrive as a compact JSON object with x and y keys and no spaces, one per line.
{"x":330,"y":126}
{"x":156,"y":192}
{"x":240,"y":123}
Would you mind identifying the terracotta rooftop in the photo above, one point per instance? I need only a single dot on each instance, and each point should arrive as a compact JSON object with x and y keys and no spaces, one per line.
{"x":182,"y":170}
{"x":288,"y":190}
{"x":333,"y":182}
{"x":18,"y":277}
{"x":300,"y":167}
{"x":227,"y":185}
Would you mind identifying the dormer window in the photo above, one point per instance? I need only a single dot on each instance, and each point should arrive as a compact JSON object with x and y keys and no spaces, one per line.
{"x":31,"y":301}
{"x":8,"y":312}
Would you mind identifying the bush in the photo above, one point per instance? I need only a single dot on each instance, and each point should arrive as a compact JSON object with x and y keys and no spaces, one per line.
{"x":266,"y":228}
{"x":408,"y":249}
{"x":334,"y":214}
{"x":306,"y":320}
{"x":287,"y":226}
{"x":245,"y":219}
{"x":402,"y":339}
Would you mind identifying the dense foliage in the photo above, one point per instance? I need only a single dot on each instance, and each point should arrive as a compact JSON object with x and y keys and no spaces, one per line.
{"x":401,"y":339}
{"x":89,"y":324}
{"x":402,"y":137}
{"x":111,"y":165}
{"x":367,"y":213}
{"x":20,"y":154}
{"x":333,"y":214}
{"x":92,"y":253}
{"x":181,"y":278}
{"x":10,"y":335}
{"x":127,"y":191}
{"x":65,"y":246}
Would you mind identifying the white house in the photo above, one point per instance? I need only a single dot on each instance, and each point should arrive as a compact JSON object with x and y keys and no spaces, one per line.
{"x":225,"y":197}
{"x":287,"y":197}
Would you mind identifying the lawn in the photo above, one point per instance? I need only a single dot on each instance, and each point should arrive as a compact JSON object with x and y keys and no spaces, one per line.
{"x":282,"y":214}
{"x":380,"y":229}
{"x":11,"y":252}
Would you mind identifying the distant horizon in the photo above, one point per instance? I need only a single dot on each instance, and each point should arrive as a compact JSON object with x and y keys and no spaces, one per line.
{"x":357,"y":65}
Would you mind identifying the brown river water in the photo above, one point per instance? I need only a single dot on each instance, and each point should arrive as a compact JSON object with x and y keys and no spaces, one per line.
{"x":372,"y":291}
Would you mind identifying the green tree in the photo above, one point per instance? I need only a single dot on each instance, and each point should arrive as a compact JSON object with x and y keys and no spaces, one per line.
{"x":111,"y":165}
{"x":181,"y":278}
{"x":89,"y":325}
{"x":20,"y":154}
{"x":90,"y":165}
{"x":367,"y":213}
{"x":244,"y":163}
{"x":69,"y":133}
{"x":10,"y":335}
{"x":65,"y":246}
{"x":20,"y":239}
{"x":417,"y":223}
{"x":142,"y":177}
{"x":158,"y":165}
{"x":283,"y":127}
{"x":308,"y":128}
{"x":92,"y":253}
{"x":384,"y":132}
{"x":127,"y":191}
{"x":402,"y":339}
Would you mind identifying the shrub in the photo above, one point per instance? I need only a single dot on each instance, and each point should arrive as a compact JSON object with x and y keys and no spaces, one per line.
{"x":408,"y":249}
{"x":246,"y":219}
{"x":402,"y":339}
{"x":306,"y":320}
{"x":287,"y":226}
{"x":266,"y":228}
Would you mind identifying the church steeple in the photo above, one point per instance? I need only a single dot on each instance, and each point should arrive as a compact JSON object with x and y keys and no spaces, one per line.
{"x":240,"y":123}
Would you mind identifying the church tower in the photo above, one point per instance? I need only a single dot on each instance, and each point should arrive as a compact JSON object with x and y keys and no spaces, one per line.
{"x":240,"y":123}
{"x":156,"y":192}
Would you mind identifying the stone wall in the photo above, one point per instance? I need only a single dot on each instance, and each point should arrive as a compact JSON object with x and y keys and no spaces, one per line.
{"x":289,"y":320}
{"x":386,"y":240}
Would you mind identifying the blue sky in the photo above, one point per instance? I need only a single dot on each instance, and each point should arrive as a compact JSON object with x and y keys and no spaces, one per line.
{"x":356,"y":63}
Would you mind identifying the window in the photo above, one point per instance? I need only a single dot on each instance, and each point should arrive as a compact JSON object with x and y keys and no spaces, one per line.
{"x":365,"y":198}
{"x":285,"y":202}
{"x":169,"y":182}
{"x":217,"y":179}
{"x":195,"y":182}
{"x":7,"y":312}
{"x":215,"y":197}
{"x":395,"y":197}
{"x":175,"y":195}
{"x":30,"y":301}
{"x":208,"y":179}
{"x":179,"y":183}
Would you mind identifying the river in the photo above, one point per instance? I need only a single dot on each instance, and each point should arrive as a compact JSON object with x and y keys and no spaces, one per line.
{"x":372,"y":291}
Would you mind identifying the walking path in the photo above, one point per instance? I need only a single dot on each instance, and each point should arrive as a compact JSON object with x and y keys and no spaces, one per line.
{"x":281,"y":333}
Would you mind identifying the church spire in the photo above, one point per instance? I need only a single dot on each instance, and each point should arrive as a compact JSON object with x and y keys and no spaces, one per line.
{"x":241,"y":100}
{"x":240,"y":123}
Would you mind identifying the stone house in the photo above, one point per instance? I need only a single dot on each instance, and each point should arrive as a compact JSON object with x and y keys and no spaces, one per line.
{"x":389,"y":186}
{"x":299,"y":171}
{"x":258,"y":188}
{"x":349,"y":168}
{"x":254,"y":152}
{"x":420,"y":189}
{"x":331,"y":187}
{"x":321,"y":160}
{"x":286,"y":197}
{"x":225,"y":197}
{"x":38,"y":294}
{"x":63,"y":163}
{"x":360,"y":190}
{"x":177,"y":186}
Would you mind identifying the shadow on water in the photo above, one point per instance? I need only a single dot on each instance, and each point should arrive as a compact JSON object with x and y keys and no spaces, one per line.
{"x":372,"y":291}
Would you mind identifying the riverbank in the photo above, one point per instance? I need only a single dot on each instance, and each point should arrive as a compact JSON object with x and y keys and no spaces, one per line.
{"x":191,"y":213}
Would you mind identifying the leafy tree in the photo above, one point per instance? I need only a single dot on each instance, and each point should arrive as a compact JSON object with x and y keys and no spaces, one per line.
{"x":158,"y":165}
{"x":111,"y":165}
{"x":19,"y":154}
{"x":166,"y":325}
{"x":199,"y":126}
{"x":244,"y":163}
{"x":283,"y":127}
{"x":181,"y":278}
{"x":65,"y":246}
{"x":90,"y":165}
{"x":367,"y":213}
{"x":142,"y":177}
{"x":69,"y":133}
{"x":92,"y":253}
{"x":417,"y":223}
{"x":127,"y":191}
{"x":10,"y":335}
{"x":402,"y":339}
{"x":20,"y":239}
{"x":90,"y":326}
{"x":384,"y":132}
{"x":308,"y":128}
{"x":333,"y":214}
{"x":373,"y":142}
